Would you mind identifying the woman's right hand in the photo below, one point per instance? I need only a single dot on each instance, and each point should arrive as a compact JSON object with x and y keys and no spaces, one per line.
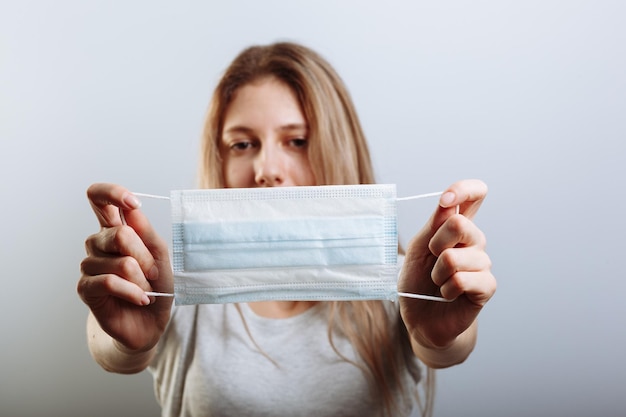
{"x":125,"y":259}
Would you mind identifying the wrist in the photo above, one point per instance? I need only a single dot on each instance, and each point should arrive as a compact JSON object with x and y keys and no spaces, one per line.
{"x":445,"y":355}
{"x":112,"y":355}
{"x":124,"y":360}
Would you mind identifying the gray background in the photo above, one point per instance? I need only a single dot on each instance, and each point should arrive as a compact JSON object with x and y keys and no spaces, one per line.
{"x":529,"y":96}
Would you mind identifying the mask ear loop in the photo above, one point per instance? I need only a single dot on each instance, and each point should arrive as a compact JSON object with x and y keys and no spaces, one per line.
{"x":424,"y":297}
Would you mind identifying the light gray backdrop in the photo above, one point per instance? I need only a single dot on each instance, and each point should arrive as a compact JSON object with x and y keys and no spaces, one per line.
{"x":529,"y":96}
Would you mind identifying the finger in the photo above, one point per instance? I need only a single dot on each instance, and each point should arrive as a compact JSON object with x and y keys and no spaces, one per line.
{"x":463,"y":197}
{"x":456,"y":231}
{"x":161,"y":274}
{"x":93,"y":289}
{"x":419,"y":244}
{"x":107,"y":199}
{"x":124,"y":267}
{"x":456,"y":260}
{"x":124,"y":241}
{"x":468,"y":195}
{"x":150,"y":238}
{"x":478,"y":287}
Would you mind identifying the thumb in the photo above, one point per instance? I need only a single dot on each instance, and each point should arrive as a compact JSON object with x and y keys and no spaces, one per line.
{"x":464,"y":197}
{"x":421,"y":241}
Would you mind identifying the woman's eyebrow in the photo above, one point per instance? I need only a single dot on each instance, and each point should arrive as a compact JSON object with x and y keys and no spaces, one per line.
{"x":301,"y":127}
{"x":238,"y":129}
{"x":294,"y":126}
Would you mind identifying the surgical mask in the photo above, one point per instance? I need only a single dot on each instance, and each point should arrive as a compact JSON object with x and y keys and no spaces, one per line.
{"x":285,"y":243}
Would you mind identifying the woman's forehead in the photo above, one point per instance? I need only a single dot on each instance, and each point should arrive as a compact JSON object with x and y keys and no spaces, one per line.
{"x":263,"y":103}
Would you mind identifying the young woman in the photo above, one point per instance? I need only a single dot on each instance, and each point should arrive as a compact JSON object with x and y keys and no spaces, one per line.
{"x":281,"y":116}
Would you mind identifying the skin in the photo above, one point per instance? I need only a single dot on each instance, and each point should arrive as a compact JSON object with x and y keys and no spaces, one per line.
{"x":264,"y":144}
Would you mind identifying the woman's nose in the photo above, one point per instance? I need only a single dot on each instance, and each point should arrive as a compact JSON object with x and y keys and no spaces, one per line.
{"x":269,"y":169}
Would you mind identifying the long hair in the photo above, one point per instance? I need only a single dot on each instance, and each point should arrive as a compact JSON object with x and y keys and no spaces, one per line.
{"x":338,"y":154}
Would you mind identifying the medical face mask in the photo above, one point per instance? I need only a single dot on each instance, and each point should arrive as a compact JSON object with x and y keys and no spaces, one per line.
{"x":285,"y":243}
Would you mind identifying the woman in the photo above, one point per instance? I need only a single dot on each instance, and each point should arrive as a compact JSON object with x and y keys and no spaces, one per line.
{"x":281,"y":116}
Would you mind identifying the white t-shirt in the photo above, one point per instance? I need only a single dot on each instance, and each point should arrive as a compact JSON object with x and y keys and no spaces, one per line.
{"x":208,"y":365}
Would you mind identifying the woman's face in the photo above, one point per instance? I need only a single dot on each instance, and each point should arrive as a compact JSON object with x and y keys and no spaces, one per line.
{"x":265,"y":138}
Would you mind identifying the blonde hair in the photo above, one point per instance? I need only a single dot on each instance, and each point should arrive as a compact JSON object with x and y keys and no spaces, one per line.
{"x":337,"y":148}
{"x":338,"y":154}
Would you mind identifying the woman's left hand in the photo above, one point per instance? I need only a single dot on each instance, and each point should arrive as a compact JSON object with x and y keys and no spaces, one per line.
{"x":447,"y":257}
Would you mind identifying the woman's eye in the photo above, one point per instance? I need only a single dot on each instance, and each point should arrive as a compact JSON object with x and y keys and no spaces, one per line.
{"x":241,"y":146}
{"x":299,"y":142}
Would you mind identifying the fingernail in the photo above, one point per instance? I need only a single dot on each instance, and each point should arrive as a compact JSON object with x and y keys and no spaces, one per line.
{"x":132,"y":201}
{"x":145,"y":300}
{"x":447,"y":199}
